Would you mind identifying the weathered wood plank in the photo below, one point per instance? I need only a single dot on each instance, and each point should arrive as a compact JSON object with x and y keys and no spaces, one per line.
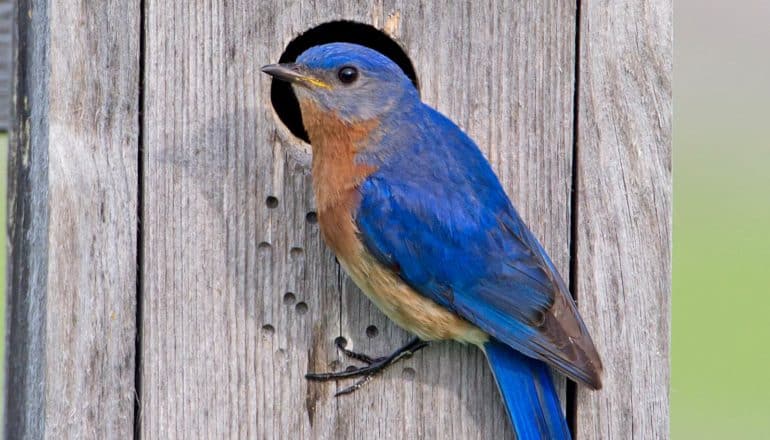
{"x":224,"y":345}
{"x":624,"y":213}
{"x":6,"y":27}
{"x":504,"y":71}
{"x":24,"y":394}
{"x":73,"y":221}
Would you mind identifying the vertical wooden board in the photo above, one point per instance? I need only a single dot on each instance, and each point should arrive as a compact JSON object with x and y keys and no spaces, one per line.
{"x":624,"y":213}
{"x":224,"y":349}
{"x":6,"y":27}
{"x":93,"y":191}
{"x":24,"y":393}
{"x":504,"y":72}
{"x":84,"y":131}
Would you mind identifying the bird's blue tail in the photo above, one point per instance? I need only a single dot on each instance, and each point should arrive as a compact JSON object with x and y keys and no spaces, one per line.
{"x":528,"y":392}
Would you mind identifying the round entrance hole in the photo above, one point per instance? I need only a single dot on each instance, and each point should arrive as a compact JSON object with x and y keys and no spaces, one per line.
{"x":281,"y":95}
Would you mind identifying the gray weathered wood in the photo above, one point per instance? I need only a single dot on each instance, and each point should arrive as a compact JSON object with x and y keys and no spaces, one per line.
{"x":6,"y":27}
{"x":73,"y":220}
{"x":219,"y":261}
{"x":24,"y":395}
{"x":512,"y":93}
{"x":624,"y":213}
{"x":238,"y":295}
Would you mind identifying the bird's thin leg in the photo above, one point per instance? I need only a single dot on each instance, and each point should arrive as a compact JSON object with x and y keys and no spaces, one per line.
{"x":368,"y":360}
{"x":373,"y":366}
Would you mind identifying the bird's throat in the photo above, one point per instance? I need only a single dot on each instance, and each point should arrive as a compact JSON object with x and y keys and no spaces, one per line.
{"x":335,"y":143}
{"x":336,"y":173}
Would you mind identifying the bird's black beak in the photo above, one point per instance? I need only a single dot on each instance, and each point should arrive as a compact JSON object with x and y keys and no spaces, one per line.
{"x":293,"y":73}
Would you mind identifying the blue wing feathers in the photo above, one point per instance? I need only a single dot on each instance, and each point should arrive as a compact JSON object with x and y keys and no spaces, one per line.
{"x":528,"y":392}
{"x":435,"y":210}
{"x":443,"y":217}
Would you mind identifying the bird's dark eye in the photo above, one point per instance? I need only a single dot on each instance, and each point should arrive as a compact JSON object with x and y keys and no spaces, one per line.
{"x":347,"y":74}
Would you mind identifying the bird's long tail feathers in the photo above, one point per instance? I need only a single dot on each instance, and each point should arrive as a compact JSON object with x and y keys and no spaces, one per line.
{"x":528,"y":392}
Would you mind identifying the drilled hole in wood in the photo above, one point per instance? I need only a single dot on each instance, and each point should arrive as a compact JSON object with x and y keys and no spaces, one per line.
{"x":311,"y":217}
{"x":301,"y":308}
{"x":268,"y":329}
{"x":296,"y":252}
{"x":289,"y":298}
{"x":282,"y":96}
{"x":350,"y":368}
{"x":271,"y":202}
{"x":340,"y":341}
{"x":408,"y":373}
{"x":372,"y":331}
{"x":264,"y":249}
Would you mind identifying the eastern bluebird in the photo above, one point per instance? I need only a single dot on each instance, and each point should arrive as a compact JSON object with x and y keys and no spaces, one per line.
{"x":420,"y":222}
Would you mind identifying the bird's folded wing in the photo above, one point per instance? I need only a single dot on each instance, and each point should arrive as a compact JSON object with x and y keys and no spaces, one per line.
{"x":466,"y":248}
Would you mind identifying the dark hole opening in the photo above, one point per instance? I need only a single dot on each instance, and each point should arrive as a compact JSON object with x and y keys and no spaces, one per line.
{"x":281,"y":95}
{"x":340,"y":341}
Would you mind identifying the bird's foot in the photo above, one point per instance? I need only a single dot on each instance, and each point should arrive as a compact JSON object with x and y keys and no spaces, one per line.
{"x":372,"y":367}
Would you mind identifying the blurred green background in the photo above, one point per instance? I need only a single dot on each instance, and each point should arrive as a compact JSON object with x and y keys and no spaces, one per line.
{"x":721,"y":305}
{"x":721,"y":302}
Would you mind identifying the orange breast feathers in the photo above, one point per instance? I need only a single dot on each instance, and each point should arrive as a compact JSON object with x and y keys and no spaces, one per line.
{"x":336,"y":177}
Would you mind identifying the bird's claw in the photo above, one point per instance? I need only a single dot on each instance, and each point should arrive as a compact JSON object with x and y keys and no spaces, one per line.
{"x":359,"y":383}
{"x":368,"y":360}
{"x":372,"y":367}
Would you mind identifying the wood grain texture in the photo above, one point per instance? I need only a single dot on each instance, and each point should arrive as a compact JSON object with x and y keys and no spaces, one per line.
{"x":624,"y":213}
{"x":75,"y":146}
{"x":6,"y":28}
{"x":24,"y":393}
{"x":241,"y":297}
{"x":507,"y":80}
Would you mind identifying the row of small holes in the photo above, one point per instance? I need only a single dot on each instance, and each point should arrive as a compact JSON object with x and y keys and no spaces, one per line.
{"x":301,"y":308}
{"x":272,"y":203}
{"x":373,"y":38}
{"x":289,"y":298}
{"x":295,"y":252}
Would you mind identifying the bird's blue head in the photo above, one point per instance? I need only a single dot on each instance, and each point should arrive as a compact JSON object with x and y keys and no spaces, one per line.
{"x":352,"y":81}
